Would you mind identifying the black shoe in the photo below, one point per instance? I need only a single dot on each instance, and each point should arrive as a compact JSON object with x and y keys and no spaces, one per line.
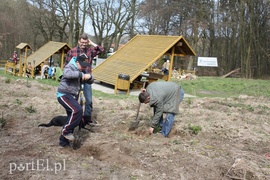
{"x":64,"y":144}
{"x":91,"y":124}
{"x":87,"y":119}
{"x":63,"y":141}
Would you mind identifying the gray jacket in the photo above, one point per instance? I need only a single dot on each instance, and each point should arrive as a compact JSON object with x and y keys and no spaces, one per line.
{"x":70,"y":81}
{"x":165,"y":96}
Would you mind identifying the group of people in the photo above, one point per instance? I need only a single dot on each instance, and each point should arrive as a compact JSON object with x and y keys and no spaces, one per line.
{"x":164,"y":97}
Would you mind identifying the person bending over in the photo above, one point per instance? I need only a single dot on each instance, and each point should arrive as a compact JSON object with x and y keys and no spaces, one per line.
{"x":164,"y":97}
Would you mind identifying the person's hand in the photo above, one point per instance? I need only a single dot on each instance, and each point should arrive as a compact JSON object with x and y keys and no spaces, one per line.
{"x":86,"y":77}
{"x":151,"y":130}
{"x":92,"y":43}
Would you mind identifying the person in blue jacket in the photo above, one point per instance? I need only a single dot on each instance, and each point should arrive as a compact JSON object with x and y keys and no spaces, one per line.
{"x":68,"y":93}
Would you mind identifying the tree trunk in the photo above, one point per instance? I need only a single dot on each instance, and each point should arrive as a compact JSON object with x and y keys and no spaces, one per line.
{"x":71,"y":23}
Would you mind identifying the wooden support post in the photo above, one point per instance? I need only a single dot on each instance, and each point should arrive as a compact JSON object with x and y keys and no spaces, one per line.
{"x":171,"y":65}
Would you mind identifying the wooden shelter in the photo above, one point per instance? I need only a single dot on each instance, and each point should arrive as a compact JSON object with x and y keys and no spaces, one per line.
{"x":45,"y":52}
{"x":139,"y":54}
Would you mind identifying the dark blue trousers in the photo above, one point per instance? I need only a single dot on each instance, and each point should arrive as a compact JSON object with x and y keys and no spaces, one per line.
{"x":74,"y":113}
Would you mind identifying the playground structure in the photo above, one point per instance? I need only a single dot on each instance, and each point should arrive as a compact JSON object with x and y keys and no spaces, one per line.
{"x":29,"y":65}
{"x":136,"y":57}
{"x":14,"y":68}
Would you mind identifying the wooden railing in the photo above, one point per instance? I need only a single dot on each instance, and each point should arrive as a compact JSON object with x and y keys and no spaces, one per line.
{"x":3,"y":62}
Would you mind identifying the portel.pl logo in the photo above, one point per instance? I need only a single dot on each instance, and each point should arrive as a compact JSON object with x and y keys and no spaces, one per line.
{"x":38,"y":165}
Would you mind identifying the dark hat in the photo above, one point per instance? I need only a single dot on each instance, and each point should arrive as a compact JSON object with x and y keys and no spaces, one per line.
{"x":82,"y":60}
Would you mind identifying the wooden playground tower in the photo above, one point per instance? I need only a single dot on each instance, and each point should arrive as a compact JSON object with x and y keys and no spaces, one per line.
{"x":24,"y":50}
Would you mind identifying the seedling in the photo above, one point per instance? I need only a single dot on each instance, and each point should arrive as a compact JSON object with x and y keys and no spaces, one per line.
{"x":194,"y":129}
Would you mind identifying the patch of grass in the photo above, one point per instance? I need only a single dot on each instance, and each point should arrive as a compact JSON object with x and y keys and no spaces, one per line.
{"x":176,"y":141}
{"x":238,"y":105}
{"x":263,"y":109}
{"x":194,"y":142}
{"x":189,"y":101}
{"x":200,"y":87}
{"x":50,"y":82}
{"x":30,"y":109}
{"x":97,"y":93}
{"x":157,"y":129}
{"x":194,"y":129}
{"x":17,"y":101}
{"x":7,"y":80}
{"x":249,"y":108}
{"x":131,"y":177}
{"x":225,"y":87}
{"x":8,"y":75}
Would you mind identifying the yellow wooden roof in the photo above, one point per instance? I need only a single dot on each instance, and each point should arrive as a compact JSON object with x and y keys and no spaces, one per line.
{"x":23,"y":46}
{"x":46,"y":51}
{"x":139,"y":54}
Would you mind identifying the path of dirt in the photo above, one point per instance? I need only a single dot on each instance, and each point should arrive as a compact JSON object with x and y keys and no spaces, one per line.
{"x":234,"y":141}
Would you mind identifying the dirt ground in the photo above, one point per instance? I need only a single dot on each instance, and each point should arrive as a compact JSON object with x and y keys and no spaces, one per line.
{"x":233,"y":143}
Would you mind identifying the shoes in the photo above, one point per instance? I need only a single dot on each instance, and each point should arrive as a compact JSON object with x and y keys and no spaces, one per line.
{"x":94,"y":124}
{"x":87,"y":119}
{"x":64,"y":144}
{"x":63,"y":141}
{"x":91,"y":124}
{"x":69,"y":137}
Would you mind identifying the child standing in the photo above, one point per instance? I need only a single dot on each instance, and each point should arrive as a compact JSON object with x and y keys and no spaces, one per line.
{"x":15,"y":57}
{"x":68,"y":93}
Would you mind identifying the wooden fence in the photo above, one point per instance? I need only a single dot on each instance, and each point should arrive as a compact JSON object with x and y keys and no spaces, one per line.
{"x":3,"y":62}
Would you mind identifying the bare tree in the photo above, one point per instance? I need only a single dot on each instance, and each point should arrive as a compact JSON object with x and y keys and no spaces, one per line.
{"x":237,"y":32}
{"x":12,"y":22}
{"x":110,"y":20}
